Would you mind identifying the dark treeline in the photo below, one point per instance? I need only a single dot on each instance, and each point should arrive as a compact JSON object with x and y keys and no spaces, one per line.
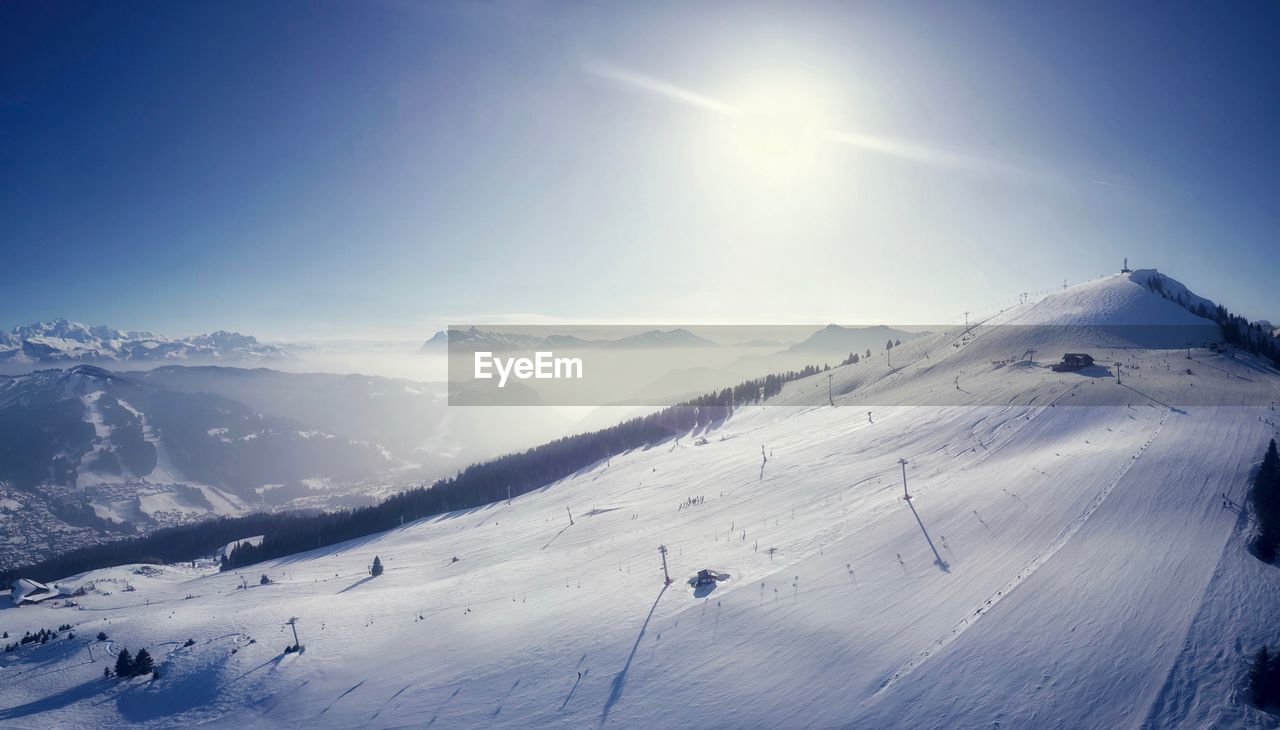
{"x":475,"y":486}
{"x":1264,"y":678}
{"x":43,"y":636}
{"x":514,"y":474}
{"x":170,"y":545}
{"x":1266,"y":504}
{"x":1236,"y":330}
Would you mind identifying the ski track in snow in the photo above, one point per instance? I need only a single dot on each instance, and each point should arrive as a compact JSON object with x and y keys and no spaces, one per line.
{"x":1063,"y":537}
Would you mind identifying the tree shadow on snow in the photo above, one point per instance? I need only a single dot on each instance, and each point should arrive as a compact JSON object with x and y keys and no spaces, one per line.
{"x":175,"y":693}
{"x":53,"y":702}
{"x":497,"y":711}
{"x":388,"y":701}
{"x":357,"y":584}
{"x":334,"y":549}
{"x":344,"y":694}
{"x":442,"y":706}
{"x":1096,"y":371}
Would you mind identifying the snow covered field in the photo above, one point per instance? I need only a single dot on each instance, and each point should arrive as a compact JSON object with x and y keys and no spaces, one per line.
{"x":1067,"y":560}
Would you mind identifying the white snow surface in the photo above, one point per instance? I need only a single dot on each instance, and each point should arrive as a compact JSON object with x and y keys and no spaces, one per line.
{"x":1059,"y":565}
{"x":1120,"y":299}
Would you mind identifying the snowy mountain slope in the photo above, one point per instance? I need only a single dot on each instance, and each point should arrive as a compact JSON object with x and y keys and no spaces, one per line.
{"x":65,"y":418}
{"x":1120,"y":299}
{"x":1059,"y":565}
{"x":89,"y":455}
{"x":62,"y":341}
{"x":1004,"y":358}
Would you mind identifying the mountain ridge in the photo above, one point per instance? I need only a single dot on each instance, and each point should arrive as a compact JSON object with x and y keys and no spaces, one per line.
{"x":64,"y":341}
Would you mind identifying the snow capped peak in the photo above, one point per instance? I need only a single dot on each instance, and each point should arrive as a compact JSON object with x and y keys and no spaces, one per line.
{"x":223,"y":338}
{"x":1128,"y":299}
{"x":62,"y":340}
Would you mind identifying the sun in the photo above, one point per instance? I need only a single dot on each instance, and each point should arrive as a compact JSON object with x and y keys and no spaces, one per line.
{"x":776,"y":133}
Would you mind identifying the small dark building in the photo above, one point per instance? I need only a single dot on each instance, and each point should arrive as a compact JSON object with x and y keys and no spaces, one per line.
{"x":1073,"y":361}
{"x":706,"y":578}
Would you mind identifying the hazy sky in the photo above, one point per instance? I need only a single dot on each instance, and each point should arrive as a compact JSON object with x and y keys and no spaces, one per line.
{"x":313,"y":169}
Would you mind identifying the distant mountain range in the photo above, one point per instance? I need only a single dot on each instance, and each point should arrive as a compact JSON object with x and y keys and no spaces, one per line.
{"x":830,"y":339}
{"x":834,"y":338}
{"x":62,"y":341}
{"x":478,"y":339}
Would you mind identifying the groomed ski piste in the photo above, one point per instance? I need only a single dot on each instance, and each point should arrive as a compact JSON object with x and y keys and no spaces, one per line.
{"x":1067,"y":559}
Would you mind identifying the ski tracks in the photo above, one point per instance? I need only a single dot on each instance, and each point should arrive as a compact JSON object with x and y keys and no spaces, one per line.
{"x":1058,"y":542}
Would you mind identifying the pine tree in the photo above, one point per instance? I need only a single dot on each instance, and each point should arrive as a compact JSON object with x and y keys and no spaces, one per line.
{"x":124,"y":663}
{"x":1273,"y":680}
{"x":1261,"y":678}
{"x":376,"y":569}
{"x":1266,"y":541}
{"x":1266,"y":503}
{"x":142,"y":663}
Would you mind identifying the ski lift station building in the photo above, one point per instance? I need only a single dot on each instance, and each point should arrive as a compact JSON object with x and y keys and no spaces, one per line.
{"x":1073,"y":361}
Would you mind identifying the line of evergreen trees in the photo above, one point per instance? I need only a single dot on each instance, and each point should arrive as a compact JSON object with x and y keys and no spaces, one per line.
{"x":1266,"y":505}
{"x":43,"y":636}
{"x":1236,"y":330}
{"x":488,"y":482}
{"x":170,"y":545}
{"x":854,"y":358}
{"x":475,"y":486}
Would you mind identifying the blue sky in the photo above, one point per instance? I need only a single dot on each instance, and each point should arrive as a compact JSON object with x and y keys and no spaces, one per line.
{"x":379,"y":169}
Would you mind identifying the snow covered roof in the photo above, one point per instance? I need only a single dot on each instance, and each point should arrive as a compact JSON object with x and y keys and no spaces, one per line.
{"x":26,"y":590}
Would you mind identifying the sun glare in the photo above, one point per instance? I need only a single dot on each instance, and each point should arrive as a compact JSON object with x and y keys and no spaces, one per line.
{"x":776,"y":133}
